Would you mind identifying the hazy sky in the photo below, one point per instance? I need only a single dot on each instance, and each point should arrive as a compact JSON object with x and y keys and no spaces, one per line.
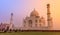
{"x":23,"y":8}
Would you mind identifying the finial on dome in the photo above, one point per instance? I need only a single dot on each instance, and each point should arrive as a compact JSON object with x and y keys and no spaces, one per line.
{"x":34,"y":9}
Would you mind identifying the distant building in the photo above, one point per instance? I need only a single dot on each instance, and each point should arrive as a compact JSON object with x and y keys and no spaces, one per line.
{"x":36,"y":22}
{"x":4,"y":26}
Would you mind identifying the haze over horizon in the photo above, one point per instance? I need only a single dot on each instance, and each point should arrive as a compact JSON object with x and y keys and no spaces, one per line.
{"x":23,"y":8}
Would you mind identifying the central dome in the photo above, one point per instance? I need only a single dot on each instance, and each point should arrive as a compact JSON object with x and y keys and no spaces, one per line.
{"x":34,"y":13}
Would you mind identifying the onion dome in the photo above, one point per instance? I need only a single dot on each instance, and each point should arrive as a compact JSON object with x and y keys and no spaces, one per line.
{"x":34,"y":13}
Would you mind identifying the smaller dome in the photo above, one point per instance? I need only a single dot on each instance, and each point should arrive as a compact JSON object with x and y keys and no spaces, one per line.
{"x":34,"y":13}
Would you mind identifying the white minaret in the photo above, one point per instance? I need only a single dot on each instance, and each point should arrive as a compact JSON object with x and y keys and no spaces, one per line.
{"x":11,"y":21}
{"x":49,"y":19}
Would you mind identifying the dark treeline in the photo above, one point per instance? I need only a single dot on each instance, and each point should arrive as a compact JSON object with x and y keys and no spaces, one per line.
{"x":30,"y":30}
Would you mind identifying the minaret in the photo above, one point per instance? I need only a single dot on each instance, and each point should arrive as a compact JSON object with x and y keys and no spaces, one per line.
{"x":11,"y":21}
{"x":49,"y":19}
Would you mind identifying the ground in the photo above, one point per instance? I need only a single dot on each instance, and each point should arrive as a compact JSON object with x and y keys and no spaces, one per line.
{"x":31,"y":33}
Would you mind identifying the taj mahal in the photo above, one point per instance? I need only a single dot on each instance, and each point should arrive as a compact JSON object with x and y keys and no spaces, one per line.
{"x":36,"y":22}
{"x":33,"y":22}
